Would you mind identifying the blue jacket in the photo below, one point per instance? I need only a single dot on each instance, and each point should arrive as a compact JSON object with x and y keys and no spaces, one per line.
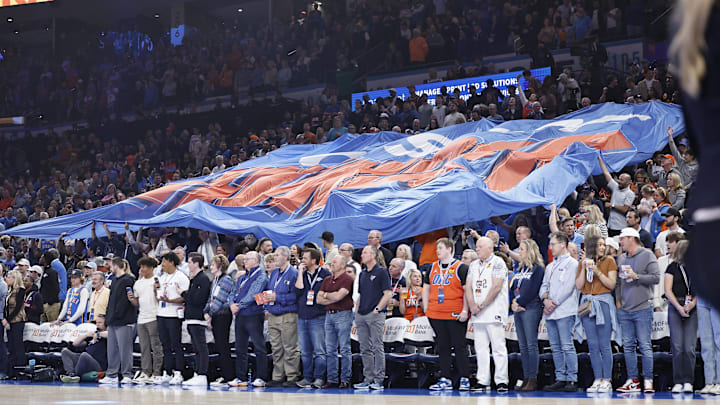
{"x":251,"y":283}
{"x":310,"y":311}
{"x":283,"y":284}
{"x":62,"y":276}
{"x":529,"y":287}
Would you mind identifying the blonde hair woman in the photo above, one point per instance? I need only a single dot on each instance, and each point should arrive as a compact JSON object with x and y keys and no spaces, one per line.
{"x":404,"y":252}
{"x":14,"y":320}
{"x":528,"y":309}
{"x":594,"y":217}
{"x":676,"y":191}
{"x":411,"y":305}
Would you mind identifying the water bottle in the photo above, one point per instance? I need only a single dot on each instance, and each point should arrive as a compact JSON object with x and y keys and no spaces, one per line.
{"x":31,"y":366}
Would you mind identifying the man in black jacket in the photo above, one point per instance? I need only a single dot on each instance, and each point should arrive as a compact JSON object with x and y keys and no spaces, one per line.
{"x":195,"y":299}
{"x":120,"y":320}
{"x":49,"y":289}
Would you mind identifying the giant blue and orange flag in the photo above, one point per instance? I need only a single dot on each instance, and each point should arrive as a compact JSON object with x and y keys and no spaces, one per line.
{"x":402,"y":185}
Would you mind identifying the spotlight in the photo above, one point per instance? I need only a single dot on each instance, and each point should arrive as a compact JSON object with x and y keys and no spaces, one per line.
{"x":157,"y":15}
{"x":10,"y":19}
{"x":240,"y":10}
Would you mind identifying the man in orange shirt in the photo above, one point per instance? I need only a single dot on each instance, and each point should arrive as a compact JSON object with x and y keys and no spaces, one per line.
{"x":445,"y":305}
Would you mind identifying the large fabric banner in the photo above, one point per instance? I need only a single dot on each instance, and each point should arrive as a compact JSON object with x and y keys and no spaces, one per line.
{"x":401,"y":185}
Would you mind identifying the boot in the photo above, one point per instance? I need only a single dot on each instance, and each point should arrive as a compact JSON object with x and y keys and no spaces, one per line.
{"x":523,"y":385}
{"x":530,"y":386}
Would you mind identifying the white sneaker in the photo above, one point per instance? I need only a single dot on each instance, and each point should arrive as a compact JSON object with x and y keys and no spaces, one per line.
{"x":238,"y":383}
{"x":108,"y":380}
{"x":688,"y":388}
{"x":220,"y":382}
{"x":605,"y":386}
{"x":707,"y":389}
{"x":594,"y":387}
{"x":126,"y":380}
{"x":163,"y":379}
{"x":259,"y":382}
{"x":177,"y":378}
{"x":141,"y":379}
{"x":197,"y":381}
{"x":677,"y":388}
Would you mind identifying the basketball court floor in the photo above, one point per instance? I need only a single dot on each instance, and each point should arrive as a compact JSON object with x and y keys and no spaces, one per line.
{"x":24,"y":393}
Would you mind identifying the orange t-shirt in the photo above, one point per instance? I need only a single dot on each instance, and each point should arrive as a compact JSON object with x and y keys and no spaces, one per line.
{"x":429,"y":253}
{"x":413,"y":305}
{"x":605,"y":266}
{"x":453,"y":291}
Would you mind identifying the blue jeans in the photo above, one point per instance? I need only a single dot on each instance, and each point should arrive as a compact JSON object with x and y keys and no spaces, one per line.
{"x":311,"y":339}
{"x":560,"y":333}
{"x":709,"y":329}
{"x":636,"y":331}
{"x":526,"y":327}
{"x":598,"y":340}
{"x":337,"y":332}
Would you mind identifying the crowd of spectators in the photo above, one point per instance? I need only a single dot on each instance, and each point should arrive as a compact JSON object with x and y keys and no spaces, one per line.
{"x":232,"y":57}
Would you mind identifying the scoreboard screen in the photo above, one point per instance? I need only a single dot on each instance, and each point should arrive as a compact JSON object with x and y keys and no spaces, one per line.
{"x":8,"y":3}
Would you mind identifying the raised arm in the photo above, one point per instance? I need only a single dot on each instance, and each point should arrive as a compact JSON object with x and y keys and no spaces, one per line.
{"x":605,"y":171}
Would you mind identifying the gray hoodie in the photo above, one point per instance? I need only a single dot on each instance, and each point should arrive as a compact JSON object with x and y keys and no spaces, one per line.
{"x":637,"y":295}
{"x":688,"y":171}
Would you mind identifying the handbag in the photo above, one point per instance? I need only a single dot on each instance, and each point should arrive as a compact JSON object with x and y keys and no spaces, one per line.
{"x":585,"y":308}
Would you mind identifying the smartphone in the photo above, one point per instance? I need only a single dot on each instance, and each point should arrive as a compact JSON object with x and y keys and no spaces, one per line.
{"x":502,"y":240}
{"x":467,"y":232}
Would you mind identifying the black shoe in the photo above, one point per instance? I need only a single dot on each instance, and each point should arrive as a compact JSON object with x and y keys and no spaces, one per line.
{"x":502,"y":387}
{"x":330,"y":385}
{"x":570,"y":387}
{"x":276,"y":383}
{"x":477,"y":387}
{"x":344,"y":385}
{"x":557,"y":387}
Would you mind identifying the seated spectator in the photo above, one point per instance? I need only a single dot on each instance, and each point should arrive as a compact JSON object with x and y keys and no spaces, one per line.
{"x":93,"y":358}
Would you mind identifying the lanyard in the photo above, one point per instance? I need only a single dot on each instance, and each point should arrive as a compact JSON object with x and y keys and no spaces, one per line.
{"x":444,"y":271}
{"x":396,"y":285}
{"x":248,"y":277}
{"x":687,"y":283}
{"x":95,"y":296}
{"x":317,"y":274}
{"x":280,"y":278}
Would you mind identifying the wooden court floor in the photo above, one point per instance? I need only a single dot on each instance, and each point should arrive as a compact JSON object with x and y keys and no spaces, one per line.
{"x":58,"y":394}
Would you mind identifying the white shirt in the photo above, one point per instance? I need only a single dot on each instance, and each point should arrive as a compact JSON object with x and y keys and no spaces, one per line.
{"x":207,"y":250}
{"x":659,"y":289}
{"x":144,"y":290}
{"x":661,"y":243}
{"x":616,"y":221}
{"x":168,"y":288}
{"x":480,"y":277}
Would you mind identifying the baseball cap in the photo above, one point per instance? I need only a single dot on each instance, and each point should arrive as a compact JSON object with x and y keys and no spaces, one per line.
{"x":611,"y":242}
{"x":37,"y":269}
{"x":327,"y":236}
{"x":684,"y":142}
{"x":91,"y":265}
{"x":23,"y":262}
{"x":671,"y":212}
{"x":110,"y":256}
{"x":384,"y":115}
{"x":76,"y":273}
{"x":630,"y":232}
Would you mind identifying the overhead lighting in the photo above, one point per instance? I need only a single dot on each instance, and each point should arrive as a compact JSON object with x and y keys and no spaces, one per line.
{"x":16,"y":32}
{"x":157,"y":15}
{"x":10,"y":19}
{"x":240,"y":10}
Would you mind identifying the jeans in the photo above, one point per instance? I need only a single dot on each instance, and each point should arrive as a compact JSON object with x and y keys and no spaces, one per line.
{"x":560,"y":334}
{"x":449,"y":333}
{"x":683,"y":339}
{"x":598,"y":340}
{"x":170,"y":329}
{"x":16,"y":347}
{"x":151,"y":350}
{"x":197,"y":337}
{"x":636,"y":331}
{"x":337,"y":332}
{"x":221,"y":333}
{"x":250,"y":327}
{"x":527,"y":324}
{"x":77,"y":364}
{"x":311,"y":339}
{"x":709,"y":329}
{"x":120,"y":350}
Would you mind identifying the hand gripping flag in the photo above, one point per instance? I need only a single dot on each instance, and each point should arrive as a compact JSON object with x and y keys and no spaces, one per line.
{"x":401,"y":185}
